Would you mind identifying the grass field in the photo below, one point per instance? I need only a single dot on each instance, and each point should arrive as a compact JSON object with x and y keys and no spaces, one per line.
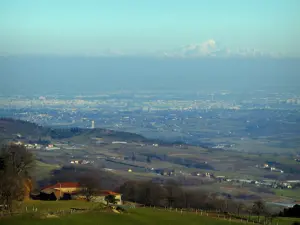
{"x":138,"y":216}
{"x":290,"y":193}
{"x":287,"y":221}
{"x":46,"y":206}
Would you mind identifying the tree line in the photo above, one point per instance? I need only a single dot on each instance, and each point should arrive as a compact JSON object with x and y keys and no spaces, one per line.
{"x":171,"y":194}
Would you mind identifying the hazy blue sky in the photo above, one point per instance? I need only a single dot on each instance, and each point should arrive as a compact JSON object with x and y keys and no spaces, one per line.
{"x":143,"y":26}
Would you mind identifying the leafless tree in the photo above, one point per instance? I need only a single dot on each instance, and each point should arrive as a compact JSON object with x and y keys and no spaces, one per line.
{"x":175,"y":195}
{"x":145,"y":192}
{"x":130,"y":190}
{"x":188,"y":197}
{"x":258,"y":209}
{"x":90,"y":185}
{"x":239,"y":207}
{"x":16,"y":163}
{"x":152,"y":194}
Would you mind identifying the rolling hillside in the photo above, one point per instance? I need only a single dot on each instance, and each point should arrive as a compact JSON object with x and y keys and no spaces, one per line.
{"x":11,"y":129}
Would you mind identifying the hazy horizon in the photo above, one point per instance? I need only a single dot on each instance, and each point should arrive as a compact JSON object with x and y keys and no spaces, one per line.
{"x":65,"y":75}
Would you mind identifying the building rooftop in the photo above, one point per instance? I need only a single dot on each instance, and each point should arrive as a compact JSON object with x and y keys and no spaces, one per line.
{"x":63,"y":185}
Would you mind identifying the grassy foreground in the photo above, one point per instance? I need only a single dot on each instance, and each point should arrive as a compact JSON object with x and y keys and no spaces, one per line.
{"x":138,"y":216}
{"x":135,"y":216}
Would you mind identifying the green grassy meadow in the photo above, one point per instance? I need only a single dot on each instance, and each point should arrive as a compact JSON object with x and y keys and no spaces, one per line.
{"x":138,"y":216}
{"x":52,"y":206}
{"x":287,"y":221}
{"x":290,"y":193}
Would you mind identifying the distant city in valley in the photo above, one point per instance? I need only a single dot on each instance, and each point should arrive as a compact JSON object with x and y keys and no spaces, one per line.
{"x":218,"y":118}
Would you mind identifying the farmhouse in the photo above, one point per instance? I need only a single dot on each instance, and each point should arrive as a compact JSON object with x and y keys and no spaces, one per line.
{"x":58,"y":191}
{"x":70,"y":190}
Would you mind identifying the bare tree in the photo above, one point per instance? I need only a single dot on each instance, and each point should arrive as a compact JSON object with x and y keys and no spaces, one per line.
{"x":90,"y":185}
{"x":175,"y":194}
{"x":268,"y":217}
{"x":16,"y":163}
{"x":188,"y":197}
{"x":258,"y":209}
{"x":147,"y":193}
{"x":130,"y":190}
{"x":239,"y":206}
{"x":248,"y":209}
{"x":220,"y":204}
{"x":151,"y":194}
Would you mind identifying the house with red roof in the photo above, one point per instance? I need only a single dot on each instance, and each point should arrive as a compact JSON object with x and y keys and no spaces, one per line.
{"x":61,"y":190}
{"x":72,"y":190}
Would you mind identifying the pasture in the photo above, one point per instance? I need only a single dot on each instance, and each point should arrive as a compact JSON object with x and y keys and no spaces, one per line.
{"x":139,"y":216}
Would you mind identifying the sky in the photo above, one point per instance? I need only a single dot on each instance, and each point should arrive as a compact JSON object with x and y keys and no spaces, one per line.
{"x":174,"y":28}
